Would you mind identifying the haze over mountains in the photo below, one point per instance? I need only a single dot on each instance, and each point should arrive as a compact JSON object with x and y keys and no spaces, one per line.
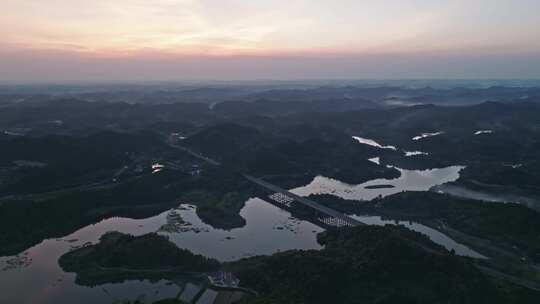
{"x":270,"y":152}
{"x":184,"y":170}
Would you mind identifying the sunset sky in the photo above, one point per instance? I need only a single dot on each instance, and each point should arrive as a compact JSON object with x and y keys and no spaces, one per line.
{"x":81,"y":40}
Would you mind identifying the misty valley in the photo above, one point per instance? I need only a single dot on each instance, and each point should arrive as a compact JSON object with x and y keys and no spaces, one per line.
{"x":270,"y":193}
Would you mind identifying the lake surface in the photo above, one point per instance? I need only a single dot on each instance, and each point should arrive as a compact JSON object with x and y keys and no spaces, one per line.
{"x":375,"y":160}
{"x":35,"y":277}
{"x":268,"y":230}
{"x":426,"y":135}
{"x":371,"y":142}
{"x":479,"y":132}
{"x":415,"y":153}
{"x":409,"y":180}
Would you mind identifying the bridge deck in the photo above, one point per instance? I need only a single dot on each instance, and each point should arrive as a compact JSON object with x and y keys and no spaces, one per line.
{"x":305,"y":201}
{"x":302,"y":200}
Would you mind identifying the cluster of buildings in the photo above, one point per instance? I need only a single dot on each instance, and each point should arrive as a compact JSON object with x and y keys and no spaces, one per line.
{"x":223,"y":279}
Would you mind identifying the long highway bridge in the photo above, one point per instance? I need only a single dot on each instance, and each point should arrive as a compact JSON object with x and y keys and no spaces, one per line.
{"x":331,"y":216}
{"x":343,"y":219}
{"x":340,"y":219}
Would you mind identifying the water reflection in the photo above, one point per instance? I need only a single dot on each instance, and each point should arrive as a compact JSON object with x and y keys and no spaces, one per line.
{"x":43,"y":281}
{"x":373,"y":143}
{"x":415,"y":153}
{"x":375,"y":160}
{"x":268,"y":230}
{"x":39,"y":279}
{"x":35,"y":277}
{"x":479,"y":132}
{"x":426,"y":135}
{"x":409,"y":180}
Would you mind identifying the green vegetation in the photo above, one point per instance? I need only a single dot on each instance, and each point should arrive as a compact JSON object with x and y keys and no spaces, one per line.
{"x":286,"y":137}
{"x":365,"y":264}
{"x":219,"y":212}
{"x":511,"y":225}
{"x":72,"y":161}
{"x":257,"y":300}
{"x":368,"y":265}
{"x":25,"y":222}
{"x":281,"y":154}
{"x":119,"y":256}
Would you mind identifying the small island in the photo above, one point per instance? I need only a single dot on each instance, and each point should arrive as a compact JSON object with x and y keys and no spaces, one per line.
{"x":379,"y":187}
{"x":118,"y":257}
{"x":365,"y":264}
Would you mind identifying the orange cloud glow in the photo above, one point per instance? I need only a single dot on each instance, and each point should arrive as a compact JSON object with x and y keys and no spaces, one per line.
{"x":258,"y":27}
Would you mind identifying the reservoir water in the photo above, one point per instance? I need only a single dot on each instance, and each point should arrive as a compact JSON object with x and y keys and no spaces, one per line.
{"x":409,"y":180}
{"x":373,"y":143}
{"x":34,"y":276}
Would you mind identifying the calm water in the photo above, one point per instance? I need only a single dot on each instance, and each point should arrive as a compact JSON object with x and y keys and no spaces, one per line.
{"x":36,"y":277}
{"x":268,"y":230}
{"x":409,"y":180}
{"x":415,"y":153}
{"x":373,"y":143}
{"x":426,"y":135}
{"x":40,"y":280}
